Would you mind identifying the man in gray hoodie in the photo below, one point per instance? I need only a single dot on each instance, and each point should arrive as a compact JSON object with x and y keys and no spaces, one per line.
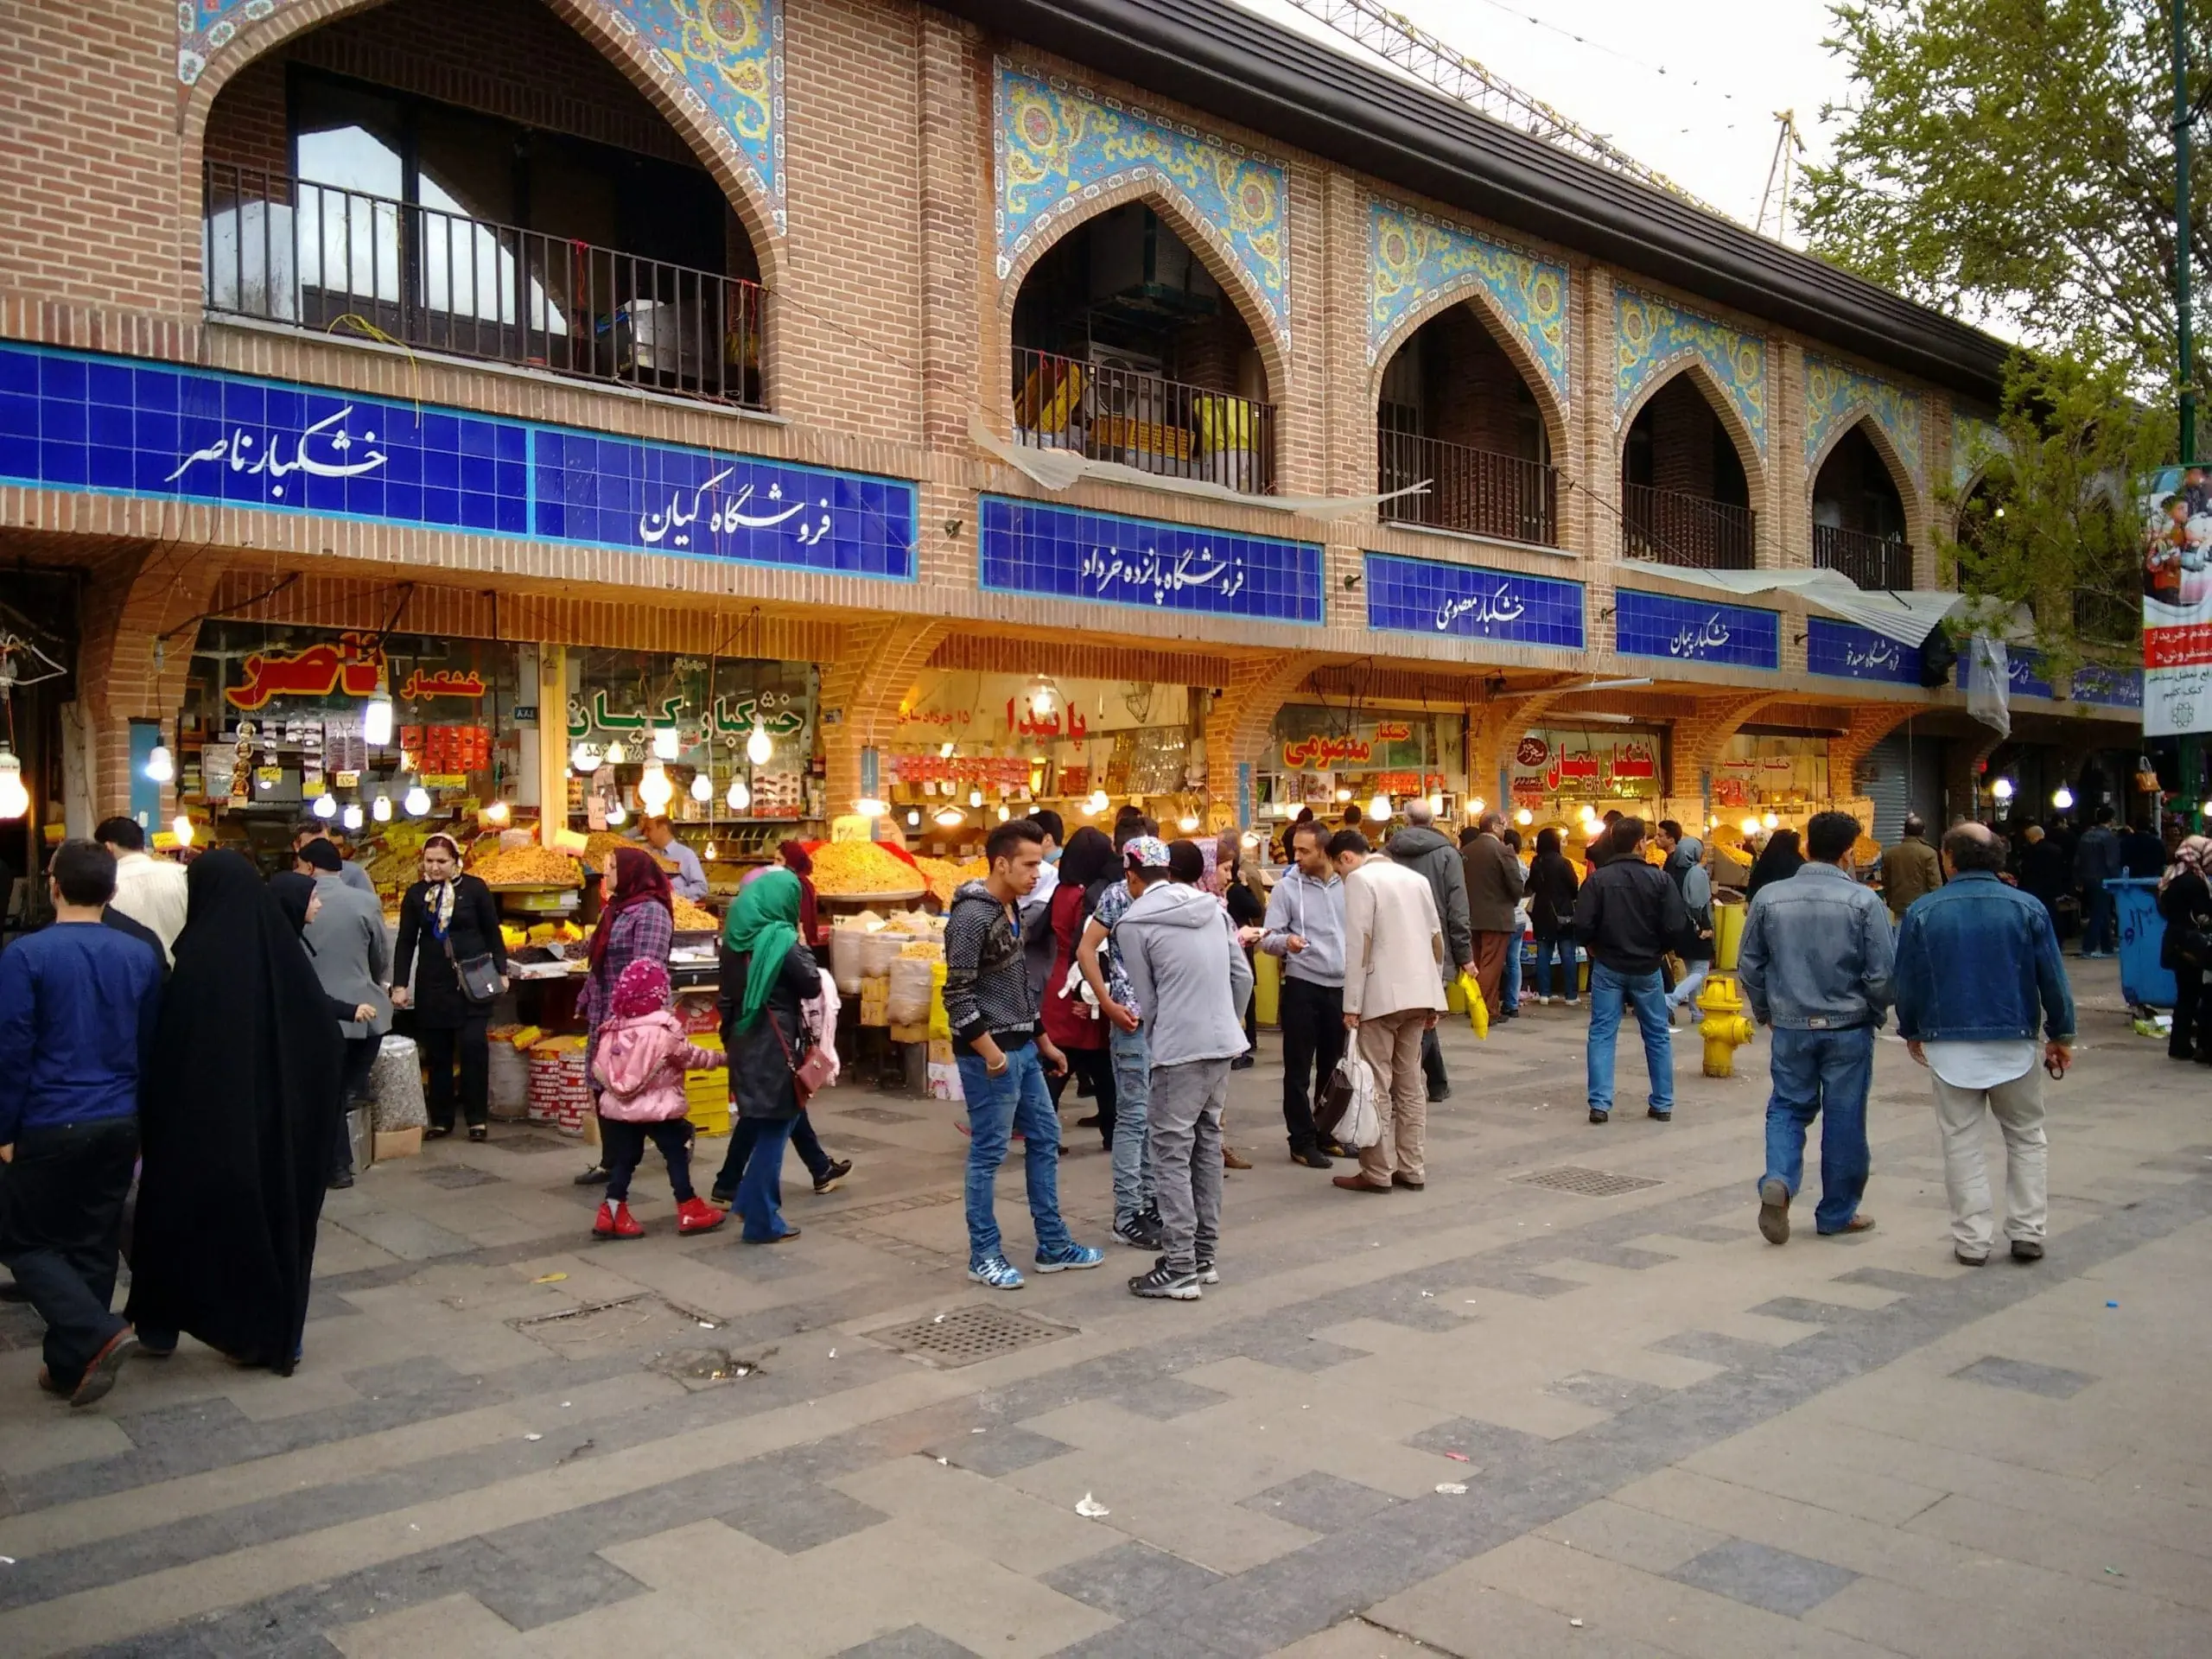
{"x":1180,"y":950}
{"x":1418,"y":847}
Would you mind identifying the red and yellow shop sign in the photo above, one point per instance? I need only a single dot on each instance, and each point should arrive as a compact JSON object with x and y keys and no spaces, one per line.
{"x":1550,"y":767}
{"x":354,"y":665}
{"x":1324,"y":753}
{"x":441,"y":683}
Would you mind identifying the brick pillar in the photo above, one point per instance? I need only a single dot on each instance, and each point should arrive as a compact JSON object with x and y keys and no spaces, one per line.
{"x":877,"y":661}
{"x":956,"y":269}
{"x":1870,"y":723}
{"x":1494,"y":730}
{"x":1237,"y":725}
{"x":1701,"y":740}
{"x":140,"y":625}
{"x":1961,"y":775}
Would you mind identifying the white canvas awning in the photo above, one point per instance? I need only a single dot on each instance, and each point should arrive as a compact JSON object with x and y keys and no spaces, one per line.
{"x":1907,"y":617}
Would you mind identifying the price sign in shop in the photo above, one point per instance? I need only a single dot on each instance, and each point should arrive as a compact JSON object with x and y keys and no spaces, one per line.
{"x":1575,"y":766}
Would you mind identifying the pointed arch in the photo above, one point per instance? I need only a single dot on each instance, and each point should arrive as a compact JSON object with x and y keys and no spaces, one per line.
{"x":1918,"y":520}
{"x":709,"y":143}
{"x":1471,"y":291}
{"x":1229,"y":276}
{"x":1690,"y":365}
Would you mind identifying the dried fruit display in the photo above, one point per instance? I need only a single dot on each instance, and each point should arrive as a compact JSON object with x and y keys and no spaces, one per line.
{"x":943,"y":875}
{"x":694,"y":919}
{"x":601,"y":845}
{"x":529,"y":866}
{"x":846,"y":868}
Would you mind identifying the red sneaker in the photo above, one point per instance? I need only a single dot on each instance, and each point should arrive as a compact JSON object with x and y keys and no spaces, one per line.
{"x":615,"y":1222}
{"x":696,"y":1215}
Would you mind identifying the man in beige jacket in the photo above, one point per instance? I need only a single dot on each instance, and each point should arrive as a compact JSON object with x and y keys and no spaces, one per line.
{"x":1394,"y":953}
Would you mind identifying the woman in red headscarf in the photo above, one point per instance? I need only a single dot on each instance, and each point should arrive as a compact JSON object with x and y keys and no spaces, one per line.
{"x":637,"y":923}
{"x":800,"y":865}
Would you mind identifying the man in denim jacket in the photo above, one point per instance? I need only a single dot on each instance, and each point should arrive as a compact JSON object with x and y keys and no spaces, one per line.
{"x":1815,"y":966}
{"x":1976,"y":961}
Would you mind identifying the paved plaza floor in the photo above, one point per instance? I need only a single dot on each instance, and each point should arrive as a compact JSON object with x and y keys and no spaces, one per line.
{"x":1672,"y":1439}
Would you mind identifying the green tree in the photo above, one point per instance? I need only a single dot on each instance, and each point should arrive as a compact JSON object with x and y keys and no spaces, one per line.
{"x":2011,"y":161}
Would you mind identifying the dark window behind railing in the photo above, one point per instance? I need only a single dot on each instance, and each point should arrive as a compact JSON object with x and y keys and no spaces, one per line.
{"x":283,"y":250}
{"x":1872,"y":562}
{"x":1678,"y":529}
{"x":1470,"y":490}
{"x":1142,"y":421}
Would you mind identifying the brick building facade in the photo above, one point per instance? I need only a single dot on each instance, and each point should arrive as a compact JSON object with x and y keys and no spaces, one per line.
{"x":890,"y":174}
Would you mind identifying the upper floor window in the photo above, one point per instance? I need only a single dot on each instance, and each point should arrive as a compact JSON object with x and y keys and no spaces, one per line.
{"x":1456,"y":415}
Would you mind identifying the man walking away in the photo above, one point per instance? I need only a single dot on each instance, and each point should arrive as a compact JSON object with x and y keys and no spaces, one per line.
{"x":1494,"y":888}
{"x":1685,"y":867}
{"x":149,"y":890}
{"x":1815,"y":966}
{"x":1910,"y":868}
{"x":78,"y":1006}
{"x":2042,"y":870}
{"x":307,"y":829}
{"x":1628,"y":916}
{"x":1306,"y":927}
{"x":1002,"y":1055}
{"x":1179,"y":950}
{"x":352,"y":960}
{"x":1394,"y":946}
{"x":2141,"y":856}
{"x":1976,"y":1031}
{"x":1144,"y":861}
{"x":2096,"y":860}
{"x":1420,"y":848}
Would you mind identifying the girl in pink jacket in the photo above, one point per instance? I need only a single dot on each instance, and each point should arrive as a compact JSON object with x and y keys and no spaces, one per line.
{"x":641,"y":1059}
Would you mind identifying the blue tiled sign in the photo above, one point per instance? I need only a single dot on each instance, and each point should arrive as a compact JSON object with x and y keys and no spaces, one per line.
{"x":1694,"y":631}
{"x":1850,"y":652}
{"x":1433,"y":597}
{"x":122,"y":427}
{"x":2025,"y":665}
{"x":1032,"y":548}
{"x":2113,"y":688}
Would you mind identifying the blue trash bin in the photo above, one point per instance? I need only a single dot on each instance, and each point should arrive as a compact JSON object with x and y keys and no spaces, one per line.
{"x":2142,"y":932}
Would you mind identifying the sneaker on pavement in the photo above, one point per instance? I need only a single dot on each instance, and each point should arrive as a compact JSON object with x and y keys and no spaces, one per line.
{"x":99,"y":1376}
{"x":614,"y":1221}
{"x":1774,"y":1211}
{"x":1068,"y":1257}
{"x":1167,"y":1284}
{"x":1137,"y":1233}
{"x":1311,"y":1157}
{"x":996,"y":1271}
{"x":826,"y":1181}
{"x":696,"y":1215}
{"x":1207,"y":1276}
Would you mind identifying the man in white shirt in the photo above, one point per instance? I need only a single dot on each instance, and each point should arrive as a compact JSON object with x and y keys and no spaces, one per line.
{"x":690,"y":880}
{"x":149,"y":890}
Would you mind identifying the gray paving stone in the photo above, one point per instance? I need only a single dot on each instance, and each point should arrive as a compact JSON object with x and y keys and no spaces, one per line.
{"x":796,"y":1518}
{"x":1486,"y":1443}
{"x":1710,"y":1232}
{"x":1129,"y":1579}
{"x":1910,"y":1284}
{"x":1541,"y":1285}
{"x":915,"y":1642}
{"x":2053,"y":1382}
{"x":453,"y":1177}
{"x":998,"y":1451}
{"x":1761,"y":1576}
{"x":1806,"y":1311}
{"x":1604,"y":1393}
{"x":1167,"y":1398}
{"x":1625,"y":1256}
{"x":876,"y":1115}
{"x":1713,"y":1349}
{"x":1273,"y":1345}
{"x":1319,"y":1502}
{"x":406,"y":1236}
{"x":527,"y":1599}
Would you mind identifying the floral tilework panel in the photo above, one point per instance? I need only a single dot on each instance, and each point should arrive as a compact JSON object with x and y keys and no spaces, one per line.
{"x":1836,"y":396}
{"x":1974,"y":441}
{"x":1413,"y":256}
{"x":1030,"y":547}
{"x":1057,"y":145}
{"x":1653,"y":338}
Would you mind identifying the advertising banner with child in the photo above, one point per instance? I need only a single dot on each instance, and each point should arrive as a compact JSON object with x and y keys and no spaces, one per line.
{"x":2178,"y":602}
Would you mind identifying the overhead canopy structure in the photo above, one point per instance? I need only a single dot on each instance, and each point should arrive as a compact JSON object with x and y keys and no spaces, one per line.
{"x":1907,"y":617}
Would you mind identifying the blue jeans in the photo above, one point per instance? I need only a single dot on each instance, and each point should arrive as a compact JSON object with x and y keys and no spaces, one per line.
{"x":996,"y":1107}
{"x":2097,"y":922}
{"x":1564,"y":945}
{"x":1684,"y":996}
{"x":1825,"y":1074}
{"x":1642,"y":992}
{"x":760,"y":1190}
{"x":1132,"y":1054}
{"x":1511,"y":995}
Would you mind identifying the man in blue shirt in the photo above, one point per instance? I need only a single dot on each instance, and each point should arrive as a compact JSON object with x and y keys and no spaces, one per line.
{"x":690,"y":880}
{"x":78,"y":1006}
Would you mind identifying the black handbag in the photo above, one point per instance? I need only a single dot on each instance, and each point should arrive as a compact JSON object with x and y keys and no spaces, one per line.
{"x":479,"y":976}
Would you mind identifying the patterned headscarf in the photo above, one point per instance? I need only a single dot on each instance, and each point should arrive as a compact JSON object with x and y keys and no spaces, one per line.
{"x":643,"y":989}
{"x":2194,"y":856}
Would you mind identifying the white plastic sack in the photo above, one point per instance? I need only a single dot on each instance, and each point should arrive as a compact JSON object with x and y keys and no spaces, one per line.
{"x":845,"y":970}
{"x":1360,"y":1126}
{"x":909,"y":990}
{"x":396,"y":1086}
{"x":879,"y":952}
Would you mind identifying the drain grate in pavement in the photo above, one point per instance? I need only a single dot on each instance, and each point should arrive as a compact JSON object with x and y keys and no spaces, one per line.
{"x":966,"y":1335}
{"x":1590,"y":1183}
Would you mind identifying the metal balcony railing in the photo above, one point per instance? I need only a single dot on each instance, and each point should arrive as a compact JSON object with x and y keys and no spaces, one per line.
{"x":1872,"y":562}
{"x":1142,"y":421}
{"x":1470,"y":490}
{"x":314,"y":256}
{"x":1687,"y":530}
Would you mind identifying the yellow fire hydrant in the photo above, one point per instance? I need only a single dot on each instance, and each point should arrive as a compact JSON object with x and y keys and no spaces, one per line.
{"x":1724,"y":1027}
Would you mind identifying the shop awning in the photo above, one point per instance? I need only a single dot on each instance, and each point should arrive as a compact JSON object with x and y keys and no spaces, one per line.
{"x":1062,"y":469}
{"x":1907,"y":618}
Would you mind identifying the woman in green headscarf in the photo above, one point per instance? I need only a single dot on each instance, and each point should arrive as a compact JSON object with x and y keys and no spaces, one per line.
{"x":765,"y":975}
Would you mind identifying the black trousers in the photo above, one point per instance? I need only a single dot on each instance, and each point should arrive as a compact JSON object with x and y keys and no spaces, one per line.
{"x":622,"y":1148}
{"x":473,"y":1048}
{"x":2192,"y":1036}
{"x":352,"y":1081}
{"x":1432,"y":1063}
{"x":60,"y":1226}
{"x":1096,"y":1067}
{"x":1312,"y":1020}
{"x":744,"y":1131}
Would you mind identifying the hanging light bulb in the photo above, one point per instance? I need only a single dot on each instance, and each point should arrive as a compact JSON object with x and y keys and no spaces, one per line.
{"x":1379,"y":808}
{"x":1188,"y":824}
{"x":417,"y":801}
{"x":975,"y":798}
{"x":2002,"y":789}
{"x":181,"y":829}
{"x":1475,"y":807}
{"x":666,"y":745}
{"x":1749,"y":826}
{"x":1588,"y":814}
{"x":707,"y":852}
{"x":739,"y":796}
{"x":584,"y":757}
{"x":654,"y":788}
{"x":703,"y":787}
{"x":944,"y":751}
{"x":380,"y":809}
{"x":1005,"y":812}
{"x":1041,"y":692}
{"x":950,"y":817}
{"x":614,"y":757}
{"x":1099,"y":801}
{"x":1250,"y":842}
{"x":161,"y":765}
{"x":1343,"y":795}
{"x":759,"y":746}
{"x":498,"y":812}
{"x":1436,"y":805}
{"x":2062,"y":799}
{"x":352,"y":819}
{"x":914,"y":817}
{"x":1524,"y":817}
{"x":1770,"y":821}
{"x":376,"y":724}
{"x":326,"y":806}
{"x":617,"y":813}
{"x":869,"y":807}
